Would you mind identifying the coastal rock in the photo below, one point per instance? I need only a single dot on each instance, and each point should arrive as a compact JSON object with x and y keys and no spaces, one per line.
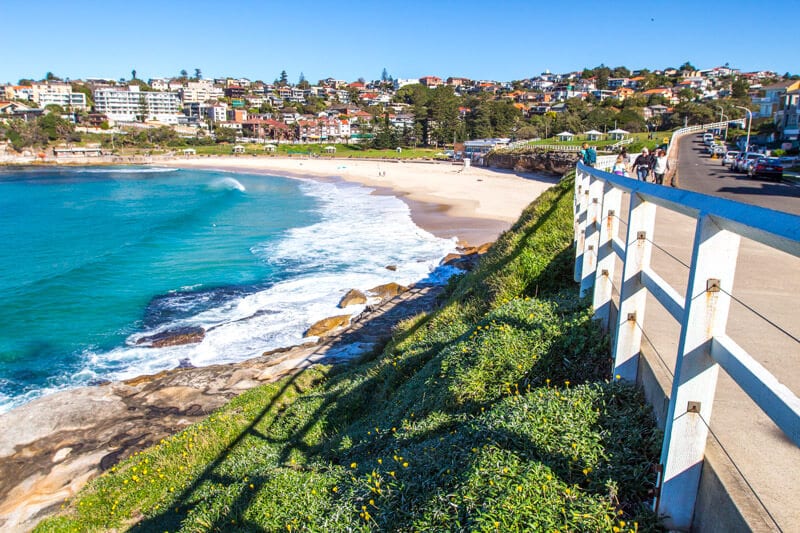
{"x":326,"y":326}
{"x":174,"y":337}
{"x":558,"y":163}
{"x":393,"y":268}
{"x":468,"y":258}
{"x":50,"y":447}
{"x":353,"y":297}
{"x":449,"y":258}
{"x":387,"y":291}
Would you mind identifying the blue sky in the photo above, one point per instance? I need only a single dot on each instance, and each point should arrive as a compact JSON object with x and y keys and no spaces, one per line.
{"x":480,"y":39}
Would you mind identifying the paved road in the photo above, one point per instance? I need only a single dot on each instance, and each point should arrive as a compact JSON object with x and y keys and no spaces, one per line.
{"x":698,"y":172}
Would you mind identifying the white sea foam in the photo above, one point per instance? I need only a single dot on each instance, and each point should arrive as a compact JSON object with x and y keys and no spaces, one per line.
{"x":227,"y":184}
{"x":358,"y":236}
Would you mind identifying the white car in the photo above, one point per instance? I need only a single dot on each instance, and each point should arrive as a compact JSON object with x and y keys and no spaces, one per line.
{"x":729,"y":157}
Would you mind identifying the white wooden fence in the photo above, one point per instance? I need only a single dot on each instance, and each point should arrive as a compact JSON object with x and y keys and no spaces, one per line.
{"x":701,"y":308}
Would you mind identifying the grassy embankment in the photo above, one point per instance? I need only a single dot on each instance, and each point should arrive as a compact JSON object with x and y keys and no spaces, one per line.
{"x":492,"y":413}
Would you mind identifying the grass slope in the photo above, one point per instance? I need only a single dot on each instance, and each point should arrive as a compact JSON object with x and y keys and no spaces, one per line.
{"x":493,"y":413}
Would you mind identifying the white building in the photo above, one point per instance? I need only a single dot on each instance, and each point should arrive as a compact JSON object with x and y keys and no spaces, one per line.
{"x":402,"y":82}
{"x":130,"y":104}
{"x":73,"y":101}
{"x":217,"y":113}
{"x":200,"y":91}
{"x":57,"y":93}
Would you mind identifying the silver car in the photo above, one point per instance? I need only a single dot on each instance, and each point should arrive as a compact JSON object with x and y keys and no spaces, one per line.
{"x":729,"y":156}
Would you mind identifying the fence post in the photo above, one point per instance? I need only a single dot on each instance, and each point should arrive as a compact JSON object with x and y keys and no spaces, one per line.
{"x":606,"y":259}
{"x":591,"y":235}
{"x":633,"y":295}
{"x":582,"y":180}
{"x":706,"y":313}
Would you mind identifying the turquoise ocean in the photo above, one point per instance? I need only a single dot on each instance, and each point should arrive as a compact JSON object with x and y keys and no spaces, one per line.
{"x":95,"y":259}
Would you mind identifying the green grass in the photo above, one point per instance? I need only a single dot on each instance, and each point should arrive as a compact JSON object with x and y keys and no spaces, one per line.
{"x":493,"y":413}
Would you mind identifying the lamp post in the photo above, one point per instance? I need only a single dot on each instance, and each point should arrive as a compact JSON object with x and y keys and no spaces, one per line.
{"x":749,"y":123}
{"x":721,"y":114}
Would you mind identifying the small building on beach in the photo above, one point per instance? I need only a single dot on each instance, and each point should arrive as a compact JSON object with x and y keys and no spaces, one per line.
{"x":565,"y":136}
{"x":330,"y":149}
{"x":238,"y":149}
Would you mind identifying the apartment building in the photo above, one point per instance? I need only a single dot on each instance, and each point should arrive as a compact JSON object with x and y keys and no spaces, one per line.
{"x":200,"y":91}
{"x":129,"y":104}
{"x":45,"y":94}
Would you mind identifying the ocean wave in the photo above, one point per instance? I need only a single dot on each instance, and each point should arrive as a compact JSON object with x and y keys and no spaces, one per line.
{"x":357,"y":237}
{"x":227,"y":184}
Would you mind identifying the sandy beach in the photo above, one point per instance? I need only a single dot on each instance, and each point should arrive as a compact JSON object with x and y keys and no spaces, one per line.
{"x":473,"y":204}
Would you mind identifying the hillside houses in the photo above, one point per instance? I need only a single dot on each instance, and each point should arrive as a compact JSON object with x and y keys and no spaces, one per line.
{"x":335,"y":110}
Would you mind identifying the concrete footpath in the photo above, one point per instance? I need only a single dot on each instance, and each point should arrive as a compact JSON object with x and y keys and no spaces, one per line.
{"x":758,"y":461}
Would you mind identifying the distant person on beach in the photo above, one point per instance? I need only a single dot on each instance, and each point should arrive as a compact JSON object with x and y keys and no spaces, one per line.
{"x":643,"y":164}
{"x":660,"y":166}
{"x":589,"y":155}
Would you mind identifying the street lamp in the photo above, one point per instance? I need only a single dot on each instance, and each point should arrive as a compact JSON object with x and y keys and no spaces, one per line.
{"x":749,"y":123}
{"x":721,"y":114}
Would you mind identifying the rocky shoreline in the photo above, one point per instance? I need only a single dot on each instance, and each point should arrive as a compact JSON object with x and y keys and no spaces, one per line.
{"x":54,"y":445}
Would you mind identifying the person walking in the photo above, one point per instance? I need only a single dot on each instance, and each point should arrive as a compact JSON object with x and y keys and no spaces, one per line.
{"x":643,"y":164}
{"x":660,"y":166}
{"x":620,"y":168}
{"x":589,"y":155}
{"x":625,"y":157}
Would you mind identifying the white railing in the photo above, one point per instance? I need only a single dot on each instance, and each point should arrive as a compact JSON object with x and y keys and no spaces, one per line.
{"x":557,"y":147}
{"x":695,"y":129}
{"x":623,"y":142}
{"x":701,"y":311}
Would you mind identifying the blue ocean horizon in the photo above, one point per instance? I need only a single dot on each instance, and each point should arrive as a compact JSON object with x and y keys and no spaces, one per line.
{"x":97,"y":259}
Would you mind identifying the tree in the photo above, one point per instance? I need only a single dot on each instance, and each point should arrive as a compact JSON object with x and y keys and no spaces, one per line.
{"x":54,"y":127}
{"x":198,"y":75}
{"x":224,"y":134}
{"x":284,"y":79}
{"x":384,"y":75}
{"x":51,"y":77}
{"x":687,"y":67}
{"x":686,"y":94}
{"x":739,"y":88}
{"x":143,"y":108}
{"x":133,"y":74}
{"x":184,"y":74}
{"x":302,"y":82}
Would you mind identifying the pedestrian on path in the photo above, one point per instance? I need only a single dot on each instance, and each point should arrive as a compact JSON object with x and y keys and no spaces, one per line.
{"x":643,"y":164}
{"x":620,"y":168}
{"x":589,"y":155}
{"x":660,"y":166}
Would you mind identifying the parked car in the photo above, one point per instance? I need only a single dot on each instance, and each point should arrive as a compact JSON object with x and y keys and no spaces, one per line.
{"x":741,"y":163}
{"x":708,"y":138}
{"x":729,"y":156}
{"x":769,"y":167}
{"x":718,"y":149}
